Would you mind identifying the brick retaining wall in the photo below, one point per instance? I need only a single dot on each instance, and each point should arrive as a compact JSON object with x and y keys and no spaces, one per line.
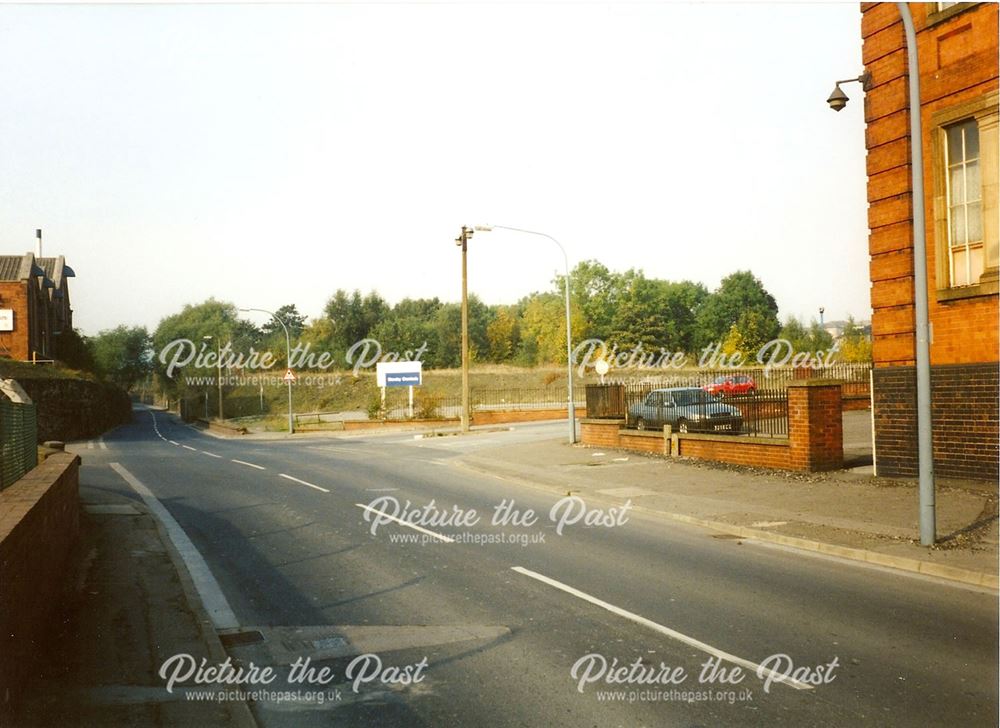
{"x":39,"y":525}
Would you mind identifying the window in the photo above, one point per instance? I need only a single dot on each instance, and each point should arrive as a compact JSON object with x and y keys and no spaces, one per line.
{"x":964,"y":199}
{"x":964,"y":154}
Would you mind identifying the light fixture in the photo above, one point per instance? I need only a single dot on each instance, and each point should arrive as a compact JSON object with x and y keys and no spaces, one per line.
{"x":838,"y":99}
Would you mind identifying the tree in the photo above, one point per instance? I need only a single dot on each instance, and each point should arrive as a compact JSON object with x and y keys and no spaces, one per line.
{"x":216,"y":319}
{"x":503,"y":334}
{"x":354,"y":316}
{"x":855,"y":346}
{"x":122,"y":355}
{"x":73,"y":350}
{"x":294,"y":320}
{"x":739,"y":293}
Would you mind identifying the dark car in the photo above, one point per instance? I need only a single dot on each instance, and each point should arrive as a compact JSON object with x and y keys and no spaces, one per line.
{"x":686,"y":409}
{"x":731,"y":384}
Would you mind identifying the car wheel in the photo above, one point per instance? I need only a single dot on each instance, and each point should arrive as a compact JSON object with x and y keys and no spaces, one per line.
{"x":640,"y":424}
{"x":682,"y":426}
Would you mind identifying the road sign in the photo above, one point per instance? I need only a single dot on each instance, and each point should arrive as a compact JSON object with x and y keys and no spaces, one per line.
{"x":6,"y":319}
{"x":289,"y":376}
{"x":399,"y":373}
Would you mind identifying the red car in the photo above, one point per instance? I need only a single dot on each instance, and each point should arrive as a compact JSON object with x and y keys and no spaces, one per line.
{"x":731,"y":384}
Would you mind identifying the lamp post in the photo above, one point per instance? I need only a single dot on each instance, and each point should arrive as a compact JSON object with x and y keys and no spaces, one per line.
{"x":570,"y":405}
{"x":922,"y":355}
{"x":218,"y":363}
{"x":288,"y":361}
{"x":463,"y":241}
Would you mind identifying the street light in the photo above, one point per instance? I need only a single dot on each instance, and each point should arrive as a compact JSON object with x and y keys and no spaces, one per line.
{"x":922,"y":353}
{"x":570,"y":406}
{"x":288,"y":361}
{"x":838,"y":99}
{"x":218,"y":362}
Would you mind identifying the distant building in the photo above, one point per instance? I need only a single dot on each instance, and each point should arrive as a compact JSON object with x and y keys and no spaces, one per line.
{"x":958,"y":59}
{"x":34,"y":305}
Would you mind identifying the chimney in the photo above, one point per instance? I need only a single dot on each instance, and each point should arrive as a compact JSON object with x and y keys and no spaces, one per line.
{"x":38,"y":244}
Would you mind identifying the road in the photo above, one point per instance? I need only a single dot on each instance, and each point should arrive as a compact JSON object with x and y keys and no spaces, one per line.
{"x":492,"y":631}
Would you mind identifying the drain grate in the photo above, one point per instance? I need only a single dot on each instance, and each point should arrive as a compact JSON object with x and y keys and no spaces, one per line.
{"x":246,"y":637}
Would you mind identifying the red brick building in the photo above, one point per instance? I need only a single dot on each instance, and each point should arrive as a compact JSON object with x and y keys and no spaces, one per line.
{"x":34,"y":305}
{"x":957,"y":45}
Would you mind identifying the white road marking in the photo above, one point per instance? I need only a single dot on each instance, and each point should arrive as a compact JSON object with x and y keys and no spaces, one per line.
{"x":211,"y":454}
{"x":289,"y":477}
{"x":188,"y":447}
{"x":249,"y":465}
{"x":173,"y":442}
{"x":101,"y":443}
{"x":90,"y":444}
{"x":401,"y":522}
{"x":673,"y":634}
{"x":208,"y":588}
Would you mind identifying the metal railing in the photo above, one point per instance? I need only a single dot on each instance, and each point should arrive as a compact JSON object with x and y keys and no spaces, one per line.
{"x":18,"y":433}
{"x":762,"y":412}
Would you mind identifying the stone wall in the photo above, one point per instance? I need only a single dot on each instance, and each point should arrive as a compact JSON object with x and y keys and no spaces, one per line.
{"x":76,"y":409}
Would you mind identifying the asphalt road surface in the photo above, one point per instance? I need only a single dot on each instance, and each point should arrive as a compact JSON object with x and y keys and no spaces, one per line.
{"x":515,"y":624}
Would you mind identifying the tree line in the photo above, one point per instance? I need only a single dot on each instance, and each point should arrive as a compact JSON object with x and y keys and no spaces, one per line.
{"x":625,"y":309}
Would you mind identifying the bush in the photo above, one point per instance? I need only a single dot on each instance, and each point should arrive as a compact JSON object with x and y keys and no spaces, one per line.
{"x":427,"y":406}
{"x":375,"y":411}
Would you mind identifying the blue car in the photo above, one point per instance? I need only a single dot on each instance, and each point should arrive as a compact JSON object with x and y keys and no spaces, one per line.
{"x":685,"y":409}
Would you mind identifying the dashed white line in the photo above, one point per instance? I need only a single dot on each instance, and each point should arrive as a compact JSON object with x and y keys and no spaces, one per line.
{"x":303,"y":482}
{"x":401,"y":522}
{"x":174,"y":442}
{"x":249,"y":465}
{"x":188,"y":447}
{"x":101,"y":443}
{"x":673,"y":634}
{"x":211,"y":454}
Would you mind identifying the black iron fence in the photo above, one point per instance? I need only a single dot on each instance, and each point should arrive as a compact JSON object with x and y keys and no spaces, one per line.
{"x":761,"y":412}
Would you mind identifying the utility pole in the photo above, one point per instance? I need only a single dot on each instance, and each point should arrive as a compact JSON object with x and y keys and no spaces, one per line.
{"x":463,"y":241}
{"x":218,"y":344}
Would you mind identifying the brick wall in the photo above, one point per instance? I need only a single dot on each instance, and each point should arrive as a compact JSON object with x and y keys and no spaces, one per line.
{"x":497,"y":417}
{"x":815,"y":441}
{"x":642,"y":441}
{"x":601,"y":433}
{"x":39,"y":524}
{"x":16,"y":344}
{"x":958,"y":64}
{"x":754,"y":452}
{"x":966,"y":425}
{"x":815,"y":425}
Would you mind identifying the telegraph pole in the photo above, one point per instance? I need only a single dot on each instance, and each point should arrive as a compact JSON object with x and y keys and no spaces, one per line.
{"x":463,"y":241}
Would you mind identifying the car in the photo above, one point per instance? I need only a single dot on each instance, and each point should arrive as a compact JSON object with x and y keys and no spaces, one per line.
{"x":731,"y":384}
{"x":686,"y":409}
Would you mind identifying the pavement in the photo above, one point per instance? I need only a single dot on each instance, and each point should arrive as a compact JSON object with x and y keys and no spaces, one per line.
{"x":129,"y":605}
{"x":837,"y":513}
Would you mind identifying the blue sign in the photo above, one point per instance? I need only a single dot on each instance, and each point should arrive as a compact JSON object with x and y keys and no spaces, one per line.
{"x":403,"y":379}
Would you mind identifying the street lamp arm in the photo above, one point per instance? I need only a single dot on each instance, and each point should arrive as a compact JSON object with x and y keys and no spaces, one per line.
{"x":570,"y":404}
{"x":288,"y":339}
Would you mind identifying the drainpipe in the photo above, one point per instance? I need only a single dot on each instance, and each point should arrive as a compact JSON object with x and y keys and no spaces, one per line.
{"x":925,"y":446}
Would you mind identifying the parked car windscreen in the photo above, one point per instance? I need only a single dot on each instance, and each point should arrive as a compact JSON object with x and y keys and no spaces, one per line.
{"x":686,"y":397}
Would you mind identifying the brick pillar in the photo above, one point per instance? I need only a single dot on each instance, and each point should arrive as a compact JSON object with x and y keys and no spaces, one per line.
{"x":815,"y":425}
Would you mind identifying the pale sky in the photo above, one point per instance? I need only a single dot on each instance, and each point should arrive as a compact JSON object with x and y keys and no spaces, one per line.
{"x":270,"y":154}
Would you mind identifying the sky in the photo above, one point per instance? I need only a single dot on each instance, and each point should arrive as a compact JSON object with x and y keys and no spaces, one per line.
{"x":271,"y":154}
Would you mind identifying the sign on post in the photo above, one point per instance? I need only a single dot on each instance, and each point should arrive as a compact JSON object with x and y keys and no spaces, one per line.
{"x":289,"y":376}
{"x":399,"y":373}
